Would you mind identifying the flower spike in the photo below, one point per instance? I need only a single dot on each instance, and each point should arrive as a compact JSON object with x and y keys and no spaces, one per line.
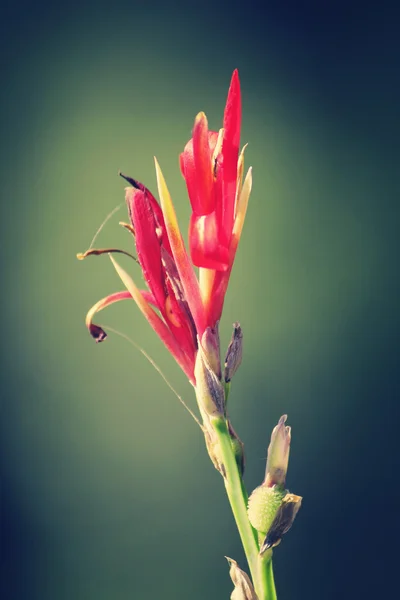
{"x":184,"y":309}
{"x":180,"y":307}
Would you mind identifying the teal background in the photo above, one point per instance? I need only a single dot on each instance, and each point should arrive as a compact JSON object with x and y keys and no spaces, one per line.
{"x":107,"y":489}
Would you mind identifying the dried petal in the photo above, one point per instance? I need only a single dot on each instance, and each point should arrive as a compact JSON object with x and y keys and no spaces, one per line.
{"x":283,"y":521}
{"x":244,"y":589}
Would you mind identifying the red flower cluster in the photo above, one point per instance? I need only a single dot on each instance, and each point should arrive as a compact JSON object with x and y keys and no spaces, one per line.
{"x":178,"y":305}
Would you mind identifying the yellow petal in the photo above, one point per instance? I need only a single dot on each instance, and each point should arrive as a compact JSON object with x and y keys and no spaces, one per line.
{"x":242,"y":208}
{"x":185,"y":269}
{"x":239,"y":179}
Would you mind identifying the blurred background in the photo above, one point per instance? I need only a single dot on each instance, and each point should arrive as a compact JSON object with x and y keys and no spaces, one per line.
{"x":107,"y":490}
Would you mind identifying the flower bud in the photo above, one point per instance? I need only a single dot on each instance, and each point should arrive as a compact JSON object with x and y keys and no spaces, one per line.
{"x":234,"y":353}
{"x":283,"y":521}
{"x":278,"y":455}
{"x":210,"y":345}
{"x":265,"y":501}
{"x":209,"y":390}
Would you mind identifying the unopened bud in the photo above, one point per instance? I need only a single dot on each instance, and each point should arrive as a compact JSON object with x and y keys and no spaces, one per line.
{"x":233,"y":356}
{"x":210,"y":344}
{"x":278,"y":454}
{"x":244,"y":589}
{"x":209,"y":390}
{"x":283,"y":521}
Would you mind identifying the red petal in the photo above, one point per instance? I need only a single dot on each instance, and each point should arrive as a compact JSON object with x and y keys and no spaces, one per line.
{"x":202,"y":161}
{"x":158,"y":215}
{"x":187,"y":276}
{"x":205,"y":247}
{"x":156,"y":322}
{"x":181,"y":323}
{"x":214,"y":307}
{"x":196,"y":166}
{"x":189,"y":173}
{"x":220,"y":285}
{"x":148,"y":243}
{"x":230,"y":153}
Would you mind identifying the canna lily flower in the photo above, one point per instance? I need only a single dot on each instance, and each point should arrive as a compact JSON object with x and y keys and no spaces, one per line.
{"x":180,"y":307}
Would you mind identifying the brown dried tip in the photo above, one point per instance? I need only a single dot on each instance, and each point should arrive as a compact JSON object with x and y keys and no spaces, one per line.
{"x":130,"y":180}
{"x":128,"y":226}
{"x":97,"y":333}
{"x":100,"y":251}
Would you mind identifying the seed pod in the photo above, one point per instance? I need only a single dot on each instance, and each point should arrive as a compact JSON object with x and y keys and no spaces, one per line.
{"x":264,"y":503}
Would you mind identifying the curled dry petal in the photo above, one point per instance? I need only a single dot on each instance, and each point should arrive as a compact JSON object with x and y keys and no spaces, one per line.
{"x":244,"y":589}
{"x":283,"y":521}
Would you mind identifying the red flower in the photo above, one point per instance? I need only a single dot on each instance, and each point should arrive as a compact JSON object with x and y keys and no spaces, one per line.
{"x":179,"y":306}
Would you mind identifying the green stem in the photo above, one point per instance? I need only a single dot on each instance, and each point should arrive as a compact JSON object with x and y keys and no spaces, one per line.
{"x":267,"y":579}
{"x":237,"y":499}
